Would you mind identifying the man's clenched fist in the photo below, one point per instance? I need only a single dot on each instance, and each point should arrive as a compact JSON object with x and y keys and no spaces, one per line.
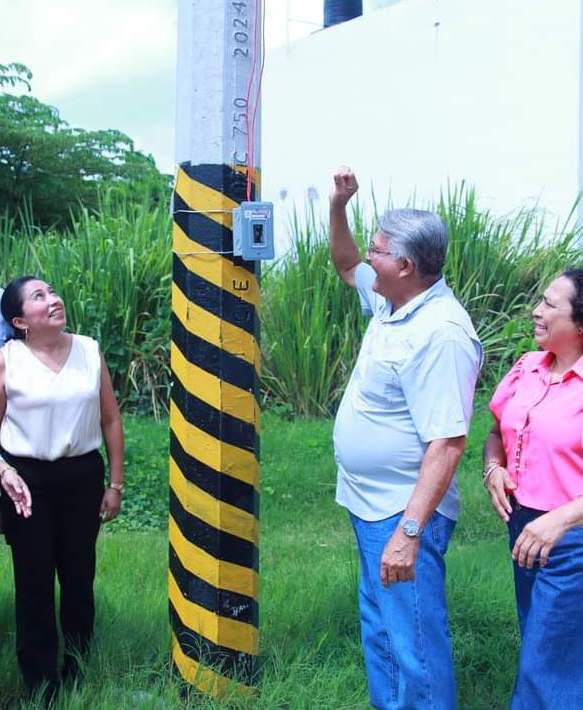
{"x":345,"y":185}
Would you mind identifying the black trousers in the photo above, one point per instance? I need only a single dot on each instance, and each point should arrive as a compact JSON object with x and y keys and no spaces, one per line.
{"x":59,"y":537}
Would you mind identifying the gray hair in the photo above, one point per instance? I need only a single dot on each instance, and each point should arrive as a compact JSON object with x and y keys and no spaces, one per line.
{"x":418,"y":235}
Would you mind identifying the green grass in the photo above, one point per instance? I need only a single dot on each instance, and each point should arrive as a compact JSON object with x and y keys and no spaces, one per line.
{"x":309,"y":622}
{"x":145,"y":505}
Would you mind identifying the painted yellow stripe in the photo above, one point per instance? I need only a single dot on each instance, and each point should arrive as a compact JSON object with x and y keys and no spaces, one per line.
{"x":213,"y":511}
{"x":203,"y":678}
{"x":215,"y":268}
{"x":218,"y":573}
{"x":210,"y":389}
{"x":229,"y":459}
{"x":228,"y":633}
{"x":200,"y":198}
{"x":215,"y":330}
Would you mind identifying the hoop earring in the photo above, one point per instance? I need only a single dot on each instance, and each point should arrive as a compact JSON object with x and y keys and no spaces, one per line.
{"x":26,"y":335}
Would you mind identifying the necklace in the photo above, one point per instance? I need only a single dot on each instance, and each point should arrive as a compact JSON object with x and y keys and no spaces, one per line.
{"x":554,"y":376}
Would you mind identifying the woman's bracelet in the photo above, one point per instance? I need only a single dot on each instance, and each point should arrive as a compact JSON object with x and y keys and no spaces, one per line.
{"x":117,"y":487}
{"x":489,"y":467}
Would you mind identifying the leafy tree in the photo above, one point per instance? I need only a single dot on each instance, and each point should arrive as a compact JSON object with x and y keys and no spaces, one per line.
{"x":50,"y":168}
{"x":15,"y":73}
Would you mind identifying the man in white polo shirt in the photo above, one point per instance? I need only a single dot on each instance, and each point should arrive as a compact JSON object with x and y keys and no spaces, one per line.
{"x":399,"y":434}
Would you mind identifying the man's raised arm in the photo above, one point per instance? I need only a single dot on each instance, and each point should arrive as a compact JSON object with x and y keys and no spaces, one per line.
{"x":344,"y":251}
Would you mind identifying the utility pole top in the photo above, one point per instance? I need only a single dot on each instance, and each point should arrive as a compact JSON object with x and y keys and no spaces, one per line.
{"x":218,"y":74}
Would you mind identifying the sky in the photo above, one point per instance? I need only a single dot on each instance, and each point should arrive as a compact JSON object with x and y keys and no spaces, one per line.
{"x":111,"y":64}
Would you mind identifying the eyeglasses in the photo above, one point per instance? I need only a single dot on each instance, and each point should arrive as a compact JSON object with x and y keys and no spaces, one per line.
{"x":372,"y":249}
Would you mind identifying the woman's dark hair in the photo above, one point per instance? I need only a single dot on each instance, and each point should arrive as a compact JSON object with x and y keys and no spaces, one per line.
{"x":575,"y":276}
{"x":11,"y":303}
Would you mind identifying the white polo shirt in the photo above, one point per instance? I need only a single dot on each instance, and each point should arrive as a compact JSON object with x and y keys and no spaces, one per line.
{"x":413,"y":382}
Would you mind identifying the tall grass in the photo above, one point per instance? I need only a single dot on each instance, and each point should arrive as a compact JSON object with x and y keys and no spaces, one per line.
{"x":312,"y":324}
{"x":499,"y":267}
{"x":311,"y":330}
{"x":113,"y":269}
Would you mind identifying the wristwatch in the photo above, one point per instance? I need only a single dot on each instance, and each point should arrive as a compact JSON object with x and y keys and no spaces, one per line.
{"x":411,"y":527}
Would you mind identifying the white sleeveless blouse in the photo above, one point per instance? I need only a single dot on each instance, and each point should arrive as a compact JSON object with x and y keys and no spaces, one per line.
{"x":51,"y":415}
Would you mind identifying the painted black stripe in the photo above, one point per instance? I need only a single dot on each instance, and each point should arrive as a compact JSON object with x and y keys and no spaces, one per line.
{"x":217,"y":423}
{"x":236,"y":665}
{"x":214,"y":299}
{"x":225,"y":603}
{"x":218,"y":543}
{"x":214,"y":360}
{"x":200,"y":227}
{"x":219,"y":485}
{"x":220,"y":177}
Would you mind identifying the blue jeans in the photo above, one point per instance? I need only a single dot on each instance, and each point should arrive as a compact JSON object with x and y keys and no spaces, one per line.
{"x":404,"y":628}
{"x":549,"y":601}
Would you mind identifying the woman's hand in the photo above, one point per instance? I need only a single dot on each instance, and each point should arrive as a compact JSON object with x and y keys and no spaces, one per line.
{"x":17,"y":491}
{"x":538,"y":538}
{"x":113,"y":436}
{"x":110,"y":504}
{"x":499,"y":484}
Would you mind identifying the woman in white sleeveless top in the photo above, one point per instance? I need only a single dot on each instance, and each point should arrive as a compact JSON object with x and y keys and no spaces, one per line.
{"x":56,"y":405}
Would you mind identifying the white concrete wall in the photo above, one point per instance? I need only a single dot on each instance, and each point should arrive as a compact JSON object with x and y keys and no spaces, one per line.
{"x":425,"y":91}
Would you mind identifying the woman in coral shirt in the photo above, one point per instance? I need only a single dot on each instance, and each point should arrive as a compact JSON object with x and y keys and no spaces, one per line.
{"x":533,"y":470}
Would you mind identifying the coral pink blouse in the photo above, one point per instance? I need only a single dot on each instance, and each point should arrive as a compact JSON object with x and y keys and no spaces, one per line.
{"x":542,"y":430}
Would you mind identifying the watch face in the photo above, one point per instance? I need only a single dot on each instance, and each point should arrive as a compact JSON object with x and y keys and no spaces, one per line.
{"x":410,"y":528}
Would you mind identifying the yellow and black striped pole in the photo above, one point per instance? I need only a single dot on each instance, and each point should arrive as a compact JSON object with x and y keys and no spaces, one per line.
{"x":214,"y":415}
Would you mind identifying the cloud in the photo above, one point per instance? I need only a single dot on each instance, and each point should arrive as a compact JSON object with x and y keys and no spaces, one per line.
{"x":111,"y":63}
{"x":70,"y":44}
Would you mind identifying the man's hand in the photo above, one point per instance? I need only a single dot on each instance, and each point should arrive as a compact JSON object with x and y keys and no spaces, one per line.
{"x":399,"y":557}
{"x":345,"y":186}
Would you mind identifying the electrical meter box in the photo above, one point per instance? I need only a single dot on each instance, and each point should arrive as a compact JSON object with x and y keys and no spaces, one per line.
{"x":253,"y":231}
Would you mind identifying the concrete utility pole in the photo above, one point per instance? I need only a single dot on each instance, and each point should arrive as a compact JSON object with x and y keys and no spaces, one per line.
{"x":214,"y":416}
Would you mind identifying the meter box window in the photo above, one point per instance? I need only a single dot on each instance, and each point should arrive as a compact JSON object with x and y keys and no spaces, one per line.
{"x":253,"y":231}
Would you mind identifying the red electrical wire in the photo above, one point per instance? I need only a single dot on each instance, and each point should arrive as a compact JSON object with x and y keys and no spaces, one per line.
{"x":259,"y":82}
{"x":247,"y":102}
{"x":250,"y":125}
